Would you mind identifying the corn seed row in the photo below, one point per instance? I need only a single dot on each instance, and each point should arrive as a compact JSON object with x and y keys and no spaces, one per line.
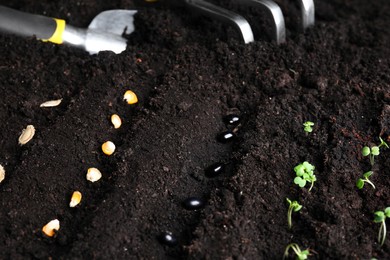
{"x":93,"y":174}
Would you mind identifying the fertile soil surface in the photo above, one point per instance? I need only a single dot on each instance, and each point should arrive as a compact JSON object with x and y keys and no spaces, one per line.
{"x":189,"y":72}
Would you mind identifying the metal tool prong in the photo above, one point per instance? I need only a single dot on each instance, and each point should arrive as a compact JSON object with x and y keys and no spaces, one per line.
{"x":225,"y":16}
{"x":277,"y":16}
{"x":307,"y":12}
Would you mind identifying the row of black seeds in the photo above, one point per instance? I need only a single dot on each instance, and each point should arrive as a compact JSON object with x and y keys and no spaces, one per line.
{"x":214,"y":170}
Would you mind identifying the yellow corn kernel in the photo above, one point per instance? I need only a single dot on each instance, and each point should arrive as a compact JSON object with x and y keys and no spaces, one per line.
{"x":108,"y":147}
{"x":130,"y":97}
{"x":75,"y":200}
{"x":116,"y":121}
{"x":51,"y":228}
{"x":93,"y":174}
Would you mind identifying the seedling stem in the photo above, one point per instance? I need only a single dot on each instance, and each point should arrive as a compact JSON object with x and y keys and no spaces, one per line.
{"x":380,"y":217}
{"x":293,"y":206}
{"x":383,"y":143}
{"x":301,"y":255}
{"x":360,"y":182}
{"x":372,"y":152}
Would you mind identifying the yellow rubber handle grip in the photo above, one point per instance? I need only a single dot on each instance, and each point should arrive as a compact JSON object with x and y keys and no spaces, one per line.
{"x":57,"y":35}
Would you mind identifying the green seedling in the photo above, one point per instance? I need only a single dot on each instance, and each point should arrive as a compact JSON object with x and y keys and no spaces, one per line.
{"x":301,"y":255}
{"x":305,"y":173}
{"x":308,"y":126}
{"x":360,"y":182}
{"x":372,"y":152}
{"x":380,"y":217}
{"x":293,"y":206}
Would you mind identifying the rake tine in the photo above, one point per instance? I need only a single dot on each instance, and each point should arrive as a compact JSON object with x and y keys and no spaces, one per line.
{"x":225,"y":16}
{"x":277,"y":17}
{"x":307,"y":12}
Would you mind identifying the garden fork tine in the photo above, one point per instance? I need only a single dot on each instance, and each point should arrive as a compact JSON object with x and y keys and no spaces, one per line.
{"x":307,"y":12}
{"x":277,"y":17}
{"x":279,"y":27}
{"x":225,"y":16}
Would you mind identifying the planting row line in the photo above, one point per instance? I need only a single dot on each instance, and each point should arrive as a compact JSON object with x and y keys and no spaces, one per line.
{"x":380,"y":216}
{"x":305,"y":173}
{"x":214,"y":170}
{"x":93,"y":174}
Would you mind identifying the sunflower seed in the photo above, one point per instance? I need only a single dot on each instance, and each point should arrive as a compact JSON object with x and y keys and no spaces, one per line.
{"x":51,"y":103}
{"x":27,"y":135}
{"x":2,"y":173}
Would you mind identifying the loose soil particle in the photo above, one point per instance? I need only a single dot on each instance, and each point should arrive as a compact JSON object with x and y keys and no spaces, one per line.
{"x":188,"y":73}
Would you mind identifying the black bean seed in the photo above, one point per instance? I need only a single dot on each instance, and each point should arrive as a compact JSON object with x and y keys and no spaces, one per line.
{"x":232,"y":120}
{"x":167,"y":238}
{"x":214,"y":170}
{"x":193,"y":203}
{"x":226,"y":137}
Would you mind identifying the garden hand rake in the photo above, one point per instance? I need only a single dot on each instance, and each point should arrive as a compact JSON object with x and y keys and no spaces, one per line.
{"x":103,"y":34}
{"x":243,"y":26}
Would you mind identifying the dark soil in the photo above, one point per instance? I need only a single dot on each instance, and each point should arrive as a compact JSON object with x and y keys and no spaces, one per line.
{"x":189,"y":72}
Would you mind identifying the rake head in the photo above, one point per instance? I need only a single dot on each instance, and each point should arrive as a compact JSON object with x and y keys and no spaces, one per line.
{"x":242,"y":25}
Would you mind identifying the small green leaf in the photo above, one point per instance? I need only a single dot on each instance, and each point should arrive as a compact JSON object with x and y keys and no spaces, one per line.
{"x":308,"y":126}
{"x":379,"y":217}
{"x":368,"y":174}
{"x":309,"y":167}
{"x":301,"y":182}
{"x":303,"y":255}
{"x":375,"y":150}
{"x":289,"y":201}
{"x":297,"y":207}
{"x":387,"y":212}
{"x":383,"y":143}
{"x":360,"y":184}
{"x":299,"y":170}
{"x":366,"y":151}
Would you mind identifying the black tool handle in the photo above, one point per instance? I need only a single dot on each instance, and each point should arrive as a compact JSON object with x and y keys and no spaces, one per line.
{"x":25,"y":24}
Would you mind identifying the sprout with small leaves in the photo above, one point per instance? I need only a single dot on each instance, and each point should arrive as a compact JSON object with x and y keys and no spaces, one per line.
{"x":301,"y":254}
{"x":380,"y":217}
{"x":308,"y":126}
{"x":374,"y":151}
{"x":305,"y":173}
{"x":360,"y":182}
{"x":293,"y":206}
